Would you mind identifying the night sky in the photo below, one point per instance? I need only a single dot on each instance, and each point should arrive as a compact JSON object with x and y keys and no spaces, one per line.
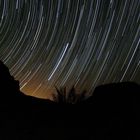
{"x":70,"y":42}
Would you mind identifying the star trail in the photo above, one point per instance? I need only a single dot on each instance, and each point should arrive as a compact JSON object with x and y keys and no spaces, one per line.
{"x":70,"y":42}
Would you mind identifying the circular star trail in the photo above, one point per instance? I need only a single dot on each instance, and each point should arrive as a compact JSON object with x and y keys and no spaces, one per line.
{"x":70,"y":42}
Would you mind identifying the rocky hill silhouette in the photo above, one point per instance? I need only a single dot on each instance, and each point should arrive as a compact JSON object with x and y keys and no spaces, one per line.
{"x":112,"y":112}
{"x":117,"y":107}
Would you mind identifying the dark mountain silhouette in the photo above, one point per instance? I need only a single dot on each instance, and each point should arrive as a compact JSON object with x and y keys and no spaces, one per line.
{"x":112,"y":112}
{"x":11,"y":93}
{"x":26,"y":117}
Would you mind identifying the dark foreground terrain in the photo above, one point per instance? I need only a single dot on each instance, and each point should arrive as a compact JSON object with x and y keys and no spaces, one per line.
{"x":111,"y":113}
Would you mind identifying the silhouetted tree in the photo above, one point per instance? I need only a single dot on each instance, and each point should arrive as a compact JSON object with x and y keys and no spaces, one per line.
{"x":70,"y":97}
